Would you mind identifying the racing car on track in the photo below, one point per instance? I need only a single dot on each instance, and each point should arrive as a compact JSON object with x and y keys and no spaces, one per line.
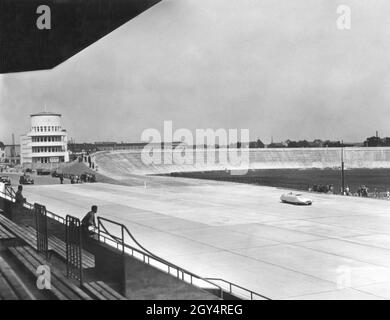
{"x":294,"y":198}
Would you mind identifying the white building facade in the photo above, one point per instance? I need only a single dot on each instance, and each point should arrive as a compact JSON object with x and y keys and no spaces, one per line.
{"x":47,"y":141}
{"x":2,"y":152}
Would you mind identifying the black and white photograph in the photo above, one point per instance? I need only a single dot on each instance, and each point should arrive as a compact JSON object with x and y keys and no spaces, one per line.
{"x":196,"y":156}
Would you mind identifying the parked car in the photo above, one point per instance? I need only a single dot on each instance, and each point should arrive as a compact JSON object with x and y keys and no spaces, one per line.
{"x":26,"y":179}
{"x":297,"y":199}
{"x":43,"y":172}
{"x":56,"y":174}
{"x":87,"y":177}
{"x":6,"y":180}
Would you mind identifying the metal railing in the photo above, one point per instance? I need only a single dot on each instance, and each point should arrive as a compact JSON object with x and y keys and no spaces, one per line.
{"x":50,"y":214}
{"x":42,"y":232}
{"x":231,"y":288}
{"x":152,"y":259}
{"x":9,"y":194}
{"x":74,"y":247}
{"x":145,"y":255}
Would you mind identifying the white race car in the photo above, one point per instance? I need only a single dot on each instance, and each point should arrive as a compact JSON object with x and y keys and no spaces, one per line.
{"x":298,"y":199}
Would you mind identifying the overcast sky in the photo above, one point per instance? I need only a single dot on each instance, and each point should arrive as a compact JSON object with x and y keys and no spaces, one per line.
{"x":279,"y":68}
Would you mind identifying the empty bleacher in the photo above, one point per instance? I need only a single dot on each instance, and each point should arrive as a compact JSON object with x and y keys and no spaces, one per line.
{"x":28,"y":235}
{"x":61,"y":287}
{"x":11,"y":286}
{"x":101,"y":291}
{"x":26,"y":261}
{"x":5,"y":234}
{"x":23,"y":252}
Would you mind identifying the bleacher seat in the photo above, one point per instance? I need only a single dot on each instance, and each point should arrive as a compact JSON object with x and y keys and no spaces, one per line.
{"x":5,"y":234}
{"x":101,"y":291}
{"x":11,"y":286}
{"x":59,"y":247}
{"x":28,"y":235}
{"x":61,"y":287}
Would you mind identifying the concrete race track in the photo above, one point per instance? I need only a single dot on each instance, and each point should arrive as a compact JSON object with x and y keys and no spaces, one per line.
{"x":339,"y":248}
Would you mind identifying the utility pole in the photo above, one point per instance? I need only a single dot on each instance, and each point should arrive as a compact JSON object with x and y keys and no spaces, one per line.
{"x":342,"y":168}
{"x":13,"y":149}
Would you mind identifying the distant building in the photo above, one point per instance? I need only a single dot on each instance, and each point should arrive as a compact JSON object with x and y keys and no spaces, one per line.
{"x":12,"y":153}
{"x":386,"y":142}
{"x":373,"y":142}
{"x":2,"y":152}
{"x":9,"y":154}
{"x":377,"y":141}
{"x":76,"y":148}
{"x":46,"y":142}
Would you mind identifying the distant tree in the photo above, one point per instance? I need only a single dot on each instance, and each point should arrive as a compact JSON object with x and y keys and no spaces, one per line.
{"x":2,"y":146}
{"x":333,"y":144}
{"x":256,"y":144}
{"x":276,"y":145}
{"x":304,"y":144}
{"x":299,"y":144}
{"x":317,"y":143}
{"x":259,"y":144}
{"x":292,"y":144}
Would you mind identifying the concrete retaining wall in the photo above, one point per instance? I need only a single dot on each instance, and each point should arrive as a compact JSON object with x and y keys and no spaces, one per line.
{"x":119,"y":164}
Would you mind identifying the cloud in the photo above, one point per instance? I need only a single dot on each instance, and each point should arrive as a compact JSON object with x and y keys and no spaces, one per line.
{"x":275,"y":67}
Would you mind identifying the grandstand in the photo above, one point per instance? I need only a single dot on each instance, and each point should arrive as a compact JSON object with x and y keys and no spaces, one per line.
{"x":101,"y":267}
